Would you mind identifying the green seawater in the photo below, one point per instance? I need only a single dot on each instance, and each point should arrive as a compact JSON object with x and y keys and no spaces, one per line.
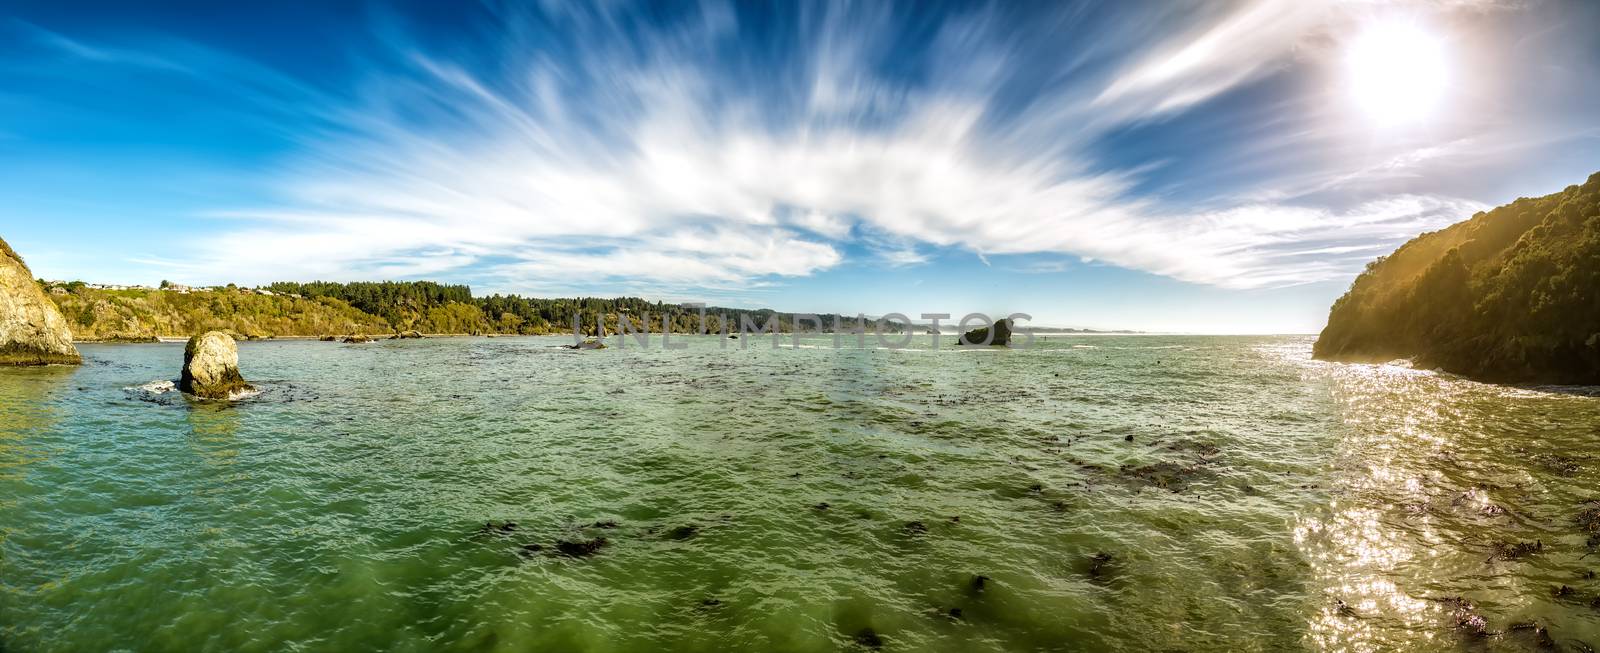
{"x":1116,"y":493}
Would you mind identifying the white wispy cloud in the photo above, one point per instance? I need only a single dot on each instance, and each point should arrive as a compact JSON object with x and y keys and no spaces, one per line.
{"x":658,"y":167}
{"x":1240,"y":43}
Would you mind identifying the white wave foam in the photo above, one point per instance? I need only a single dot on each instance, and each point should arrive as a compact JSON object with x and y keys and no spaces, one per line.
{"x":155,"y":387}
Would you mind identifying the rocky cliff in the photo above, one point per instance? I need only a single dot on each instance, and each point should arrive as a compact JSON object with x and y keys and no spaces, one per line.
{"x":32,"y":330}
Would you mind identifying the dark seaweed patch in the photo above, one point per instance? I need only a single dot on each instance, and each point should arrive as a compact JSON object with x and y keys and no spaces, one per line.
{"x":581,"y":548}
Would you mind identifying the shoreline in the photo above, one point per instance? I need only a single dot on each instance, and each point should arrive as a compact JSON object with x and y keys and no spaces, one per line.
{"x":387,"y":336}
{"x":374,"y":336}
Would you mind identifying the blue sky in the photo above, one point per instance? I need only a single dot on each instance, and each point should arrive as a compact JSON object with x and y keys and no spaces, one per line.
{"x":1210,"y":167}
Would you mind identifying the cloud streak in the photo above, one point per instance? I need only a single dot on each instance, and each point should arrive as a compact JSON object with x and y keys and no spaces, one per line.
{"x":630,"y":153}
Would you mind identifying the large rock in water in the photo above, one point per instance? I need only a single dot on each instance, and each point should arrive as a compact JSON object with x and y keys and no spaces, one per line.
{"x":211,"y":367}
{"x":32,"y":330}
{"x":1002,"y":335}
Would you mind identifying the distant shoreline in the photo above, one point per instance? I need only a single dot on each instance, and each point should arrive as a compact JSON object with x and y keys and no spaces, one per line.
{"x":373,"y":336}
{"x":387,"y":336}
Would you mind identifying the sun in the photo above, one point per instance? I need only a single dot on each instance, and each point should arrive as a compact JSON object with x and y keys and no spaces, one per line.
{"x":1398,"y":72}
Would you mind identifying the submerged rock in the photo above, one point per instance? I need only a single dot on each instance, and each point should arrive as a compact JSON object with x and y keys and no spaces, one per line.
{"x":1169,"y":476}
{"x":211,"y":367}
{"x":1558,"y":464}
{"x":356,"y":340}
{"x":592,"y":343}
{"x":1002,"y":335}
{"x":979,"y":583}
{"x":683,"y":532}
{"x":1589,"y":518}
{"x":1344,"y":609}
{"x":407,"y":335}
{"x":1540,"y":635}
{"x":1515,"y":550}
{"x":1464,"y":616}
{"x":496,"y":528}
{"x":869,"y":638}
{"x":580,"y":549}
{"x":1099,"y":564}
{"x":32,"y":329}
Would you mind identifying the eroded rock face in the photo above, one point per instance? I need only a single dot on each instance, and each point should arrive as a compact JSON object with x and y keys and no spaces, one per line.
{"x":32,"y":330}
{"x":211,"y":367}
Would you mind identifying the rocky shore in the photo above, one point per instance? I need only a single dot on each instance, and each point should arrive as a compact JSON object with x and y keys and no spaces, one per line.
{"x":32,"y":329}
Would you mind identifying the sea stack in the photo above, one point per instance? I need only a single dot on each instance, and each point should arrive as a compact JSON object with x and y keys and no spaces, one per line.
{"x":32,"y":330}
{"x":1002,"y":335}
{"x":211,"y":367}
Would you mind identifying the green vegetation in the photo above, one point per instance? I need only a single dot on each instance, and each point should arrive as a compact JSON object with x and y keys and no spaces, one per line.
{"x":135,"y":315}
{"x":324,"y":308}
{"x":1511,"y":295}
{"x":435,"y":308}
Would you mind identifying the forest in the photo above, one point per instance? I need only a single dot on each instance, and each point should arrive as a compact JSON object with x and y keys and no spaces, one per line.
{"x":142,"y":315}
{"x":320,"y":308}
{"x":1510,"y":295}
{"x":435,"y":308}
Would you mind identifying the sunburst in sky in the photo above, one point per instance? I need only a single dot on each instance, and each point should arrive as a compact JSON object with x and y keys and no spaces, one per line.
{"x":1400,"y":71}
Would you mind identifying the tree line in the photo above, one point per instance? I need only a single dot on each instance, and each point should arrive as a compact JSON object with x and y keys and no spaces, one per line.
{"x":443,"y":308}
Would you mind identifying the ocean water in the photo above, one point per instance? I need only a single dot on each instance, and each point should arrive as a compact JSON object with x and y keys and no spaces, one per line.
{"x":1118,"y":493}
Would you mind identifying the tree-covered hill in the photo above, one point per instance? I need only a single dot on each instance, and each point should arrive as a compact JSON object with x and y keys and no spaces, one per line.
{"x":1510,"y":295}
{"x":143,"y":314}
{"x":434,"y":308}
{"x":327,"y":308}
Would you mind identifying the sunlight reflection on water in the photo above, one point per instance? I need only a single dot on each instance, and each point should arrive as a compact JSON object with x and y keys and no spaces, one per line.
{"x":1432,"y":471}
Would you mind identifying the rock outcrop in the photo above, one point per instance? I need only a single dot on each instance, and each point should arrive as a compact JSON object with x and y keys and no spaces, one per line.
{"x":32,"y":329}
{"x":406,"y":335}
{"x":1002,"y":335}
{"x":211,"y":367}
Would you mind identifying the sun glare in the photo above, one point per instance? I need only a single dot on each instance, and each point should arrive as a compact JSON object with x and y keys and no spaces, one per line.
{"x":1398,"y":72}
